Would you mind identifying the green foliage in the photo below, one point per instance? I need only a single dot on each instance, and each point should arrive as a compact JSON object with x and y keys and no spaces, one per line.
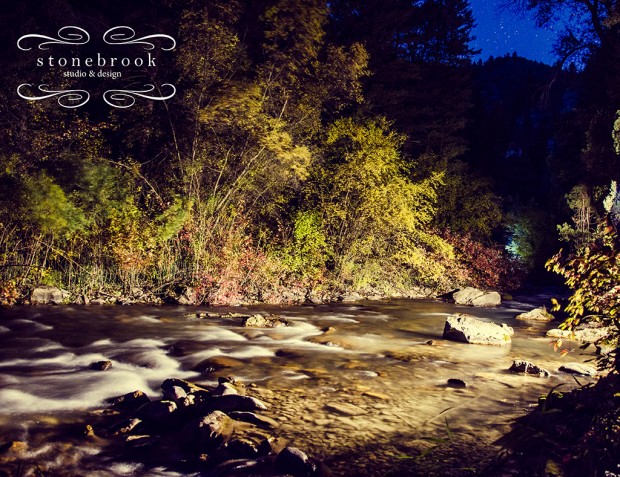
{"x":592,"y":272}
{"x":308,"y":251}
{"x":468,"y":205}
{"x":584,"y":217}
{"x":370,"y":207}
{"x":529,"y":241}
{"x":48,"y":209}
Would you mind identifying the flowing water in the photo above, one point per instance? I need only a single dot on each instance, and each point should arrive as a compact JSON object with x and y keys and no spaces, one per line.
{"x":376,"y":356}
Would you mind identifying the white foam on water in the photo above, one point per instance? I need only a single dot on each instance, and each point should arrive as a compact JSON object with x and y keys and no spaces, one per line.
{"x":217,"y":334}
{"x":294,"y":375}
{"x":50,"y":345}
{"x":365,"y":374}
{"x":156,"y":359}
{"x":4,"y":329}
{"x":82,"y":390}
{"x":163,"y":472}
{"x":8,"y":379}
{"x":148,"y":318}
{"x":34,"y":453}
{"x":31,"y":325}
{"x":62,"y":358}
{"x":205,"y":354}
{"x":142,"y":343}
{"x":103,"y":342}
{"x":15,"y":401}
{"x":125,"y":468}
{"x":252,"y":352}
{"x":338,"y":318}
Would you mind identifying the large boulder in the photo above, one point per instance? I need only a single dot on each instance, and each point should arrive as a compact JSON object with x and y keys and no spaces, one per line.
{"x":48,"y":295}
{"x":537,"y":314}
{"x":467,"y":329}
{"x":586,"y":332}
{"x":474,"y":297}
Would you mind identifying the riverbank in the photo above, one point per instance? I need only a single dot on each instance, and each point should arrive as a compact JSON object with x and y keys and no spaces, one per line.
{"x":51,"y":295}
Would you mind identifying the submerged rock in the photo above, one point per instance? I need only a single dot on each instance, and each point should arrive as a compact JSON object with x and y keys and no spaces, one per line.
{"x":475,"y":297}
{"x":456,"y":383}
{"x":217,"y":363}
{"x":525,"y":367}
{"x":467,"y":329}
{"x":345,"y":409}
{"x":101,"y":365}
{"x":537,"y":314}
{"x":580,"y":369}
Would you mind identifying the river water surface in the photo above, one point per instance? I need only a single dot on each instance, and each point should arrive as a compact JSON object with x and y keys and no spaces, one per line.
{"x":376,"y":356}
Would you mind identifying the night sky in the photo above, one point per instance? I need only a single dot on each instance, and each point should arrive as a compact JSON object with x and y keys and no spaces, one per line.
{"x":499,"y":32}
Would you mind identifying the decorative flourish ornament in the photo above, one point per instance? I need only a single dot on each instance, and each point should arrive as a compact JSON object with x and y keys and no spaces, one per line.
{"x":124,"y":35}
{"x":120,"y":98}
{"x":68,"y":98}
{"x":67,"y":35}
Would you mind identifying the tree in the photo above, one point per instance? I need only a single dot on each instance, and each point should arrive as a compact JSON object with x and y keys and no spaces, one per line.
{"x":592,"y":270}
{"x":370,"y":209}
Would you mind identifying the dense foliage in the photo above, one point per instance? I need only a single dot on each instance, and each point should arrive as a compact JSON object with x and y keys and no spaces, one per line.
{"x":311,"y":146}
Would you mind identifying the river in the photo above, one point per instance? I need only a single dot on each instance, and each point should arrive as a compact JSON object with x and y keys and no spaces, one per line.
{"x":376,"y":355}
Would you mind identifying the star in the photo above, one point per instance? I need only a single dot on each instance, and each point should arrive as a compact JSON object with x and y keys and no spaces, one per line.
{"x":499,"y":32}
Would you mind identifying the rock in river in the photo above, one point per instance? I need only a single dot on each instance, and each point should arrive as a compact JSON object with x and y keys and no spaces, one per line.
{"x":586,"y":332}
{"x":537,"y":314}
{"x":208,"y":432}
{"x":345,"y":409}
{"x":47,"y":295}
{"x":467,"y":329}
{"x":525,"y":367}
{"x":101,"y":365}
{"x":260,"y":321}
{"x":474,"y":297}
{"x":579,"y":369}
